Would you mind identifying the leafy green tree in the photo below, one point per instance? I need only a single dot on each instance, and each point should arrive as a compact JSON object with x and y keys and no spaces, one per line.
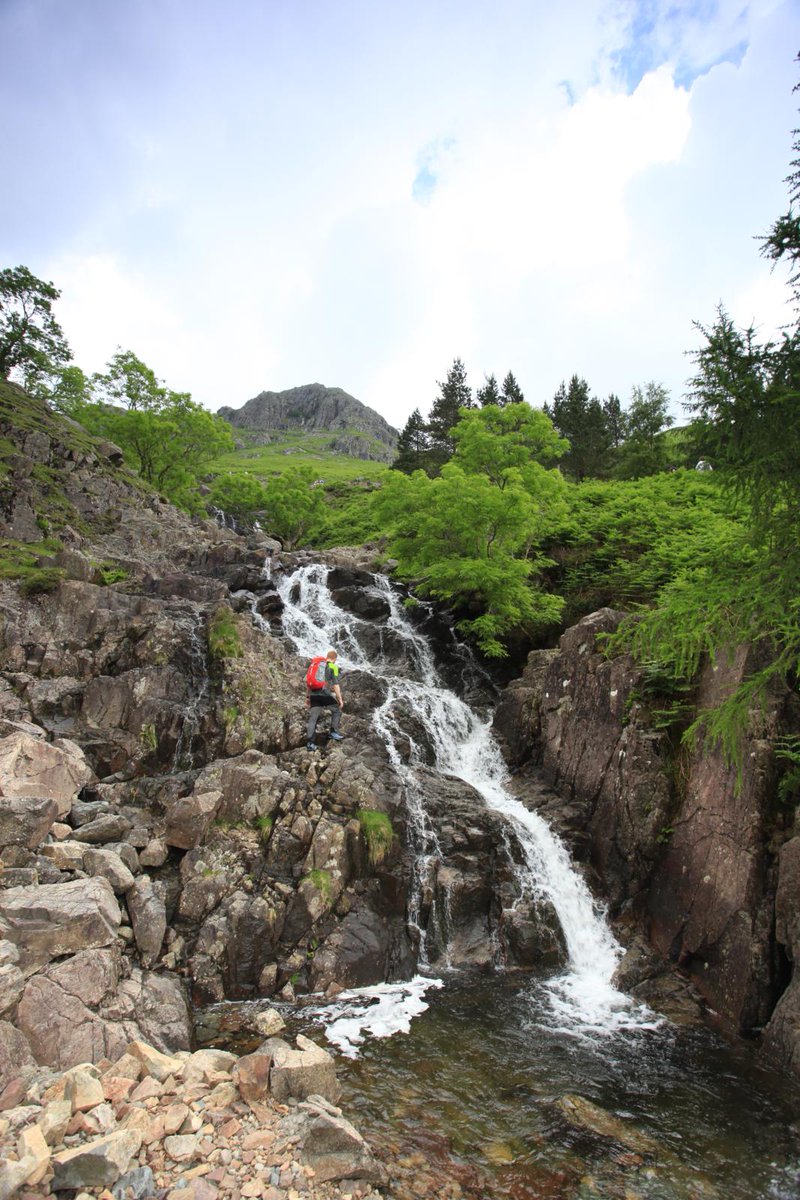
{"x":413,"y":445}
{"x":164,"y":435}
{"x":130,"y":382}
{"x":580,"y":419}
{"x":644,"y":451}
{"x":32,"y":344}
{"x":512,"y":392}
{"x":454,"y":394}
{"x":70,"y":389}
{"x":489,"y":393}
{"x":468,"y":542}
{"x":239,"y":495}
{"x":294,"y":507}
{"x":506,"y":443}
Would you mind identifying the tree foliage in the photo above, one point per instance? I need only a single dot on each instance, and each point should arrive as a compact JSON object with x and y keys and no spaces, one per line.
{"x":644,"y":451}
{"x":746,"y":403}
{"x":164,"y":435}
{"x":454,"y":394}
{"x":472,"y":535}
{"x":32,"y":344}
{"x":579,"y":418}
{"x":293,"y":506}
{"x":413,"y":445}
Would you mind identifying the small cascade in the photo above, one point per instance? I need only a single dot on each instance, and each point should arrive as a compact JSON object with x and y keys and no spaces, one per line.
{"x":463,"y":746}
{"x":199,"y":689}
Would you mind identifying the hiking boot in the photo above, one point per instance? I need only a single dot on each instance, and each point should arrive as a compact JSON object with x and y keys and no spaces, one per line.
{"x":311,"y":746}
{"x":337,"y":737}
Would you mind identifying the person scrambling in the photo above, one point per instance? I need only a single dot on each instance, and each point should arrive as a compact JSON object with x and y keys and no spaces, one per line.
{"x":323,"y":691}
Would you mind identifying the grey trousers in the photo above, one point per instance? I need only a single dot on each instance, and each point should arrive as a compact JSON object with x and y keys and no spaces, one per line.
{"x":318,"y":706}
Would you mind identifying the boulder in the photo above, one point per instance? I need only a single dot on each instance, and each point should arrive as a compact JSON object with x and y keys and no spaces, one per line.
{"x":108,"y":827}
{"x":159,"y":1066}
{"x":251,"y":1076}
{"x":12,"y":981}
{"x":51,"y":920}
{"x":108,"y":865}
{"x":32,"y":767}
{"x":26,"y":820}
{"x":15,"y":1053}
{"x":98,"y":1163}
{"x":332,"y":1147}
{"x":188,"y":818}
{"x":307,"y":1071}
{"x":66,"y":855}
{"x":148,"y":917}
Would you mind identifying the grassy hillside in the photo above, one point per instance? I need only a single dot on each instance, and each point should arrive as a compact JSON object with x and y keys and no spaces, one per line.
{"x":298,"y":449}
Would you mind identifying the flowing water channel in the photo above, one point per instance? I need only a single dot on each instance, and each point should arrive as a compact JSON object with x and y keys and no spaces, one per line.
{"x":478,"y":1071}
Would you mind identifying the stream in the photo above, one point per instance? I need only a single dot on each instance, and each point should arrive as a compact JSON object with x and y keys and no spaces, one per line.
{"x":479,"y":1072}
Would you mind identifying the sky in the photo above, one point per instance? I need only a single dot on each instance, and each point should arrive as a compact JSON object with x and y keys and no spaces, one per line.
{"x":261,"y":194}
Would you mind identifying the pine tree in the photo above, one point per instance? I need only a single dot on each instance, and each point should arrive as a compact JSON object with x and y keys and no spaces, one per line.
{"x":512,"y":392}
{"x":454,"y":394}
{"x":413,"y":445}
{"x":581,"y":420}
{"x":616,"y":421}
{"x":489,"y":393}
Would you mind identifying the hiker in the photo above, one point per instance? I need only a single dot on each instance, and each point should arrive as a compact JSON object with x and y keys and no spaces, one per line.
{"x":323,"y":691}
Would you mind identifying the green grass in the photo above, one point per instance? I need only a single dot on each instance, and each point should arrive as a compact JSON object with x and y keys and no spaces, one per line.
{"x":21,"y":561}
{"x":224,"y":640}
{"x":299,"y":449}
{"x":321,"y":880}
{"x":378,"y":834}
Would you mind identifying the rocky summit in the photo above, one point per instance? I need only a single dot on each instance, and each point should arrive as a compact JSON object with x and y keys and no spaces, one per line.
{"x":356,"y":429}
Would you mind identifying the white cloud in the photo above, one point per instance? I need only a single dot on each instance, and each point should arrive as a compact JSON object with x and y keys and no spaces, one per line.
{"x":237,"y":198}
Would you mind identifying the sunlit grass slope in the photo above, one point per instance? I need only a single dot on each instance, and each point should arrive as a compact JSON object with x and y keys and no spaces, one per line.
{"x":299,"y":449}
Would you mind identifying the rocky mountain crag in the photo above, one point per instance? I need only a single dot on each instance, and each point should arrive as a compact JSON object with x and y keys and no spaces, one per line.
{"x":358,"y":430}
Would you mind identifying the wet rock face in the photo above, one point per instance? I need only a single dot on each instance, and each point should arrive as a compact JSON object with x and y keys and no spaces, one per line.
{"x":689,"y":852}
{"x":473,"y":911}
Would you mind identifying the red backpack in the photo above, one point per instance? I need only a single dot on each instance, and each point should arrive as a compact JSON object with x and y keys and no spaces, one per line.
{"x":315,"y":675}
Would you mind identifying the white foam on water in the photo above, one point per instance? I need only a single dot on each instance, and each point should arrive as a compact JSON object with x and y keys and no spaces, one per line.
{"x":378,"y":1012}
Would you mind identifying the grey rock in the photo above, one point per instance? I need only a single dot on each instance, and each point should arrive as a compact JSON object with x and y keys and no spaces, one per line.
{"x":110,"y":827}
{"x":26,"y":820}
{"x":148,"y":917}
{"x":54,"y":919}
{"x":138,"y":1184}
{"x":98,"y":1163}
{"x":110,"y":866}
{"x":307,"y":1071}
{"x":332,"y":1146}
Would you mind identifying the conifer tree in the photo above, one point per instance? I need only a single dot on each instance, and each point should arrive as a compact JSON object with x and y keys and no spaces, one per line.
{"x":413,"y":445}
{"x":512,"y":392}
{"x":581,"y":420}
{"x":454,"y":394}
{"x":489,"y":393}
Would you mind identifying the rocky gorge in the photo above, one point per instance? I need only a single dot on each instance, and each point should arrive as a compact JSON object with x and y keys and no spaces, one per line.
{"x":167,"y":842}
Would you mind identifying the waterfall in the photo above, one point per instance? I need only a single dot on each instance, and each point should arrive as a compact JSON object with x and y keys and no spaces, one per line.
{"x":463,"y":745}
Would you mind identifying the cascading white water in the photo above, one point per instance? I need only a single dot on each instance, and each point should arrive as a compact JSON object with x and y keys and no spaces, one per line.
{"x":583,"y":996}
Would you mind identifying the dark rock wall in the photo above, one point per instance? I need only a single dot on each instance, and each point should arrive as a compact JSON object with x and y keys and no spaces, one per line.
{"x":705,"y":863}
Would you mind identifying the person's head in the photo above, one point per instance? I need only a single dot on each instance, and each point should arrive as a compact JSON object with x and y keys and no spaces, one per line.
{"x":331,"y":656}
